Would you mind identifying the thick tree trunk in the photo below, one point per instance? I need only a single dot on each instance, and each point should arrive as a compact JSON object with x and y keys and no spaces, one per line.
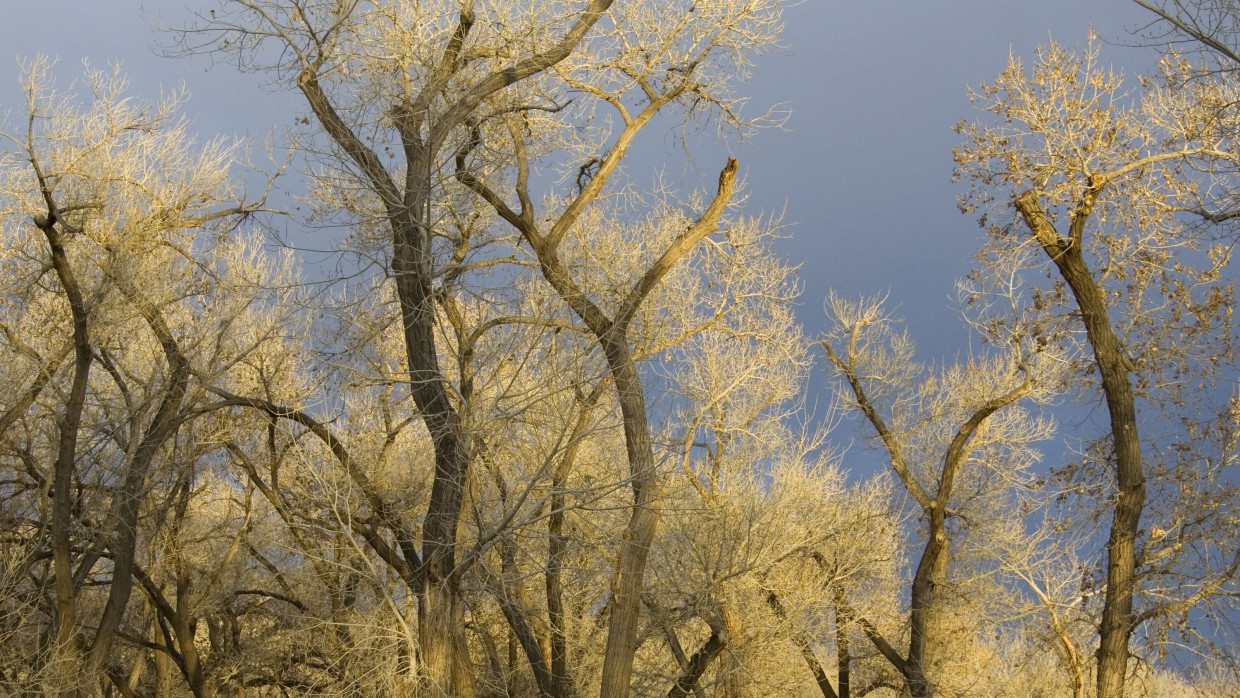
{"x":69,"y":422}
{"x":647,"y":508}
{"x":408,"y":211}
{"x":441,"y":620}
{"x":1117,"y":616}
{"x":446,"y":671}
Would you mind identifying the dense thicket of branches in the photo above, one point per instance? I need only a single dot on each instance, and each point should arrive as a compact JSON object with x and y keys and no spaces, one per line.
{"x":546,"y":434}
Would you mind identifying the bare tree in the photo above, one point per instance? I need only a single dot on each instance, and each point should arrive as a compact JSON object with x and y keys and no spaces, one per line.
{"x":412,"y":95}
{"x":445,"y":73}
{"x":944,"y":432}
{"x":1107,"y":191}
{"x":119,"y":193}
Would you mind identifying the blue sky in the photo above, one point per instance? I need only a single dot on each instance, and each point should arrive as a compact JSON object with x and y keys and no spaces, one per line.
{"x":865,"y":165}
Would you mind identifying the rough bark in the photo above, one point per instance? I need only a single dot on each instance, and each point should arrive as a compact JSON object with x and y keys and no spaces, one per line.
{"x":69,"y":422}
{"x":1117,"y":624}
{"x":647,"y":508}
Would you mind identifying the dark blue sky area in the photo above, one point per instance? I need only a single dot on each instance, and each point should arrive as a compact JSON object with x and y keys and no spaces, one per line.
{"x":866,"y":163}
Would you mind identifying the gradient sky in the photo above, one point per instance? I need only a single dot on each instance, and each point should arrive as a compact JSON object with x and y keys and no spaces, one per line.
{"x":866,"y":163}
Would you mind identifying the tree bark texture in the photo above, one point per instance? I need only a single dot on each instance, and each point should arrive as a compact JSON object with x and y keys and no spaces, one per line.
{"x":69,"y":423}
{"x":1117,"y":615}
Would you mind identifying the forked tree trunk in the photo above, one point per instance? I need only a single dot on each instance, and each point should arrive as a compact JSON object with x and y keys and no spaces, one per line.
{"x":931,"y":574}
{"x":611,"y":334}
{"x":1117,"y":616}
{"x":407,"y":206}
{"x":69,"y":421}
{"x":440,"y":615}
{"x":441,"y":621}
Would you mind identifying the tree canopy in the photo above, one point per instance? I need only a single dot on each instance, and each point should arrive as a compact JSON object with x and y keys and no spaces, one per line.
{"x":548,"y":427}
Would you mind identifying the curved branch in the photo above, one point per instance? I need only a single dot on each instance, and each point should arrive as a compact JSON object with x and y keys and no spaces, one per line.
{"x":521,"y":70}
{"x":890,"y":442}
{"x":705,"y":225}
{"x":381,"y":509}
{"x":1193,"y":31}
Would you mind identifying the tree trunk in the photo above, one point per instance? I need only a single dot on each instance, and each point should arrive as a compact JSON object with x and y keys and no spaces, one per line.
{"x":843,"y":650}
{"x":446,"y":670}
{"x":441,"y":634}
{"x":698,"y":664}
{"x":1117,"y":617}
{"x":563,"y":684}
{"x":647,"y":508}
{"x":930,"y":575}
{"x":128,"y":497}
{"x":69,"y":422}
{"x":441,"y":620}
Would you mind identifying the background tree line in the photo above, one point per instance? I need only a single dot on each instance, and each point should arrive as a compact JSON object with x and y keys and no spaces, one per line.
{"x":549,"y":434}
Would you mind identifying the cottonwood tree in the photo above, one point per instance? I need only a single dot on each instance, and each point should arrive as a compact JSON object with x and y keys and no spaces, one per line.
{"x":960,"y":443}
{"x":729,"y":300}
{"x":124,"y":279}
{"x":684,"y":67}
{"x":418,"y":103}
{"x":754,"y":498}
{"x":1114,"y":194}
{"x":340,"y":56}
{"x":546,"y":449}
